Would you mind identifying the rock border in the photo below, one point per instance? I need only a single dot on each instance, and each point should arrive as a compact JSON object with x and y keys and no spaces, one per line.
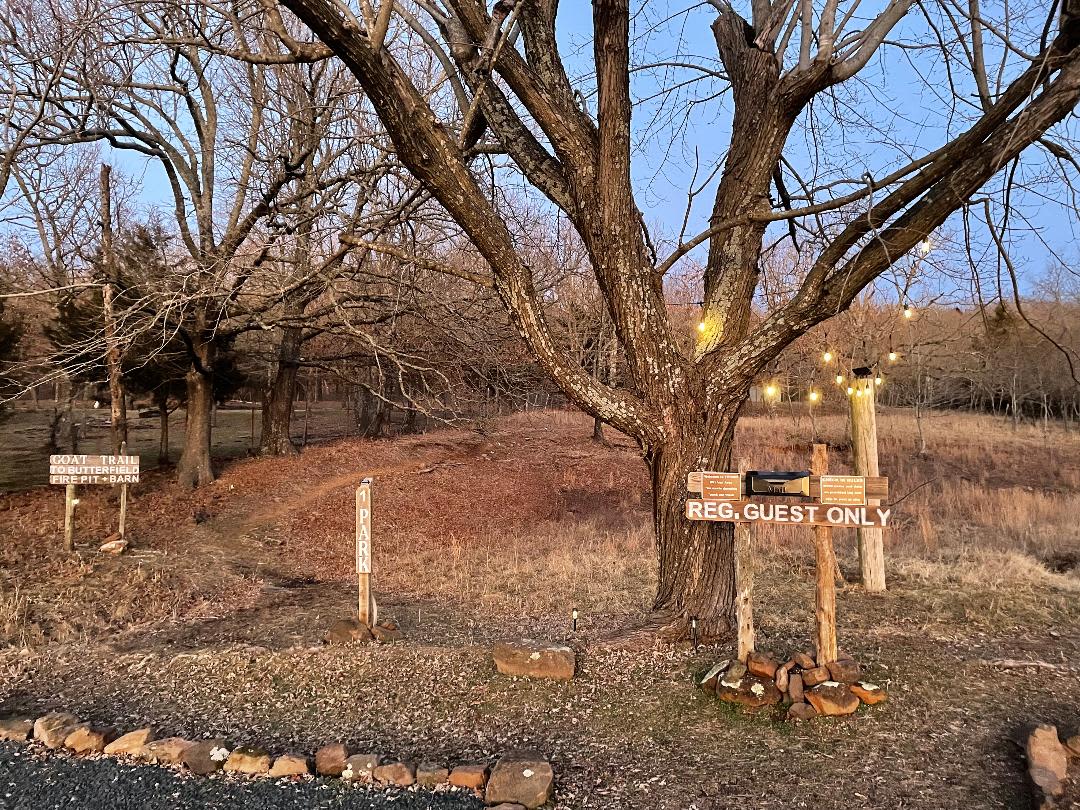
{"x":514,"y":781}
{"x":832,"y":689}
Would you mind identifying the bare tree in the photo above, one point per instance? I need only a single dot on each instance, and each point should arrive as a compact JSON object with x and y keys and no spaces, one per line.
{"x":516,"y":96}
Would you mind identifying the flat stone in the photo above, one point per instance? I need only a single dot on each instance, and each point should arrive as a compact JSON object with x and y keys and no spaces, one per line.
{"x":401,"y":774}
{"x":206,"y":756}
{"x":709,"y":679}
{"x":508,"y":806}
{"x":815,"y":675}
{"x":430,"y":774}
{"x":52,"y":729}
{"x":1047,"y":762}
{"x":248,"y":761}
{"x":385,"y":633}
{"x":844,"y":671}
{"x":528,"y":781}
{"x":804,"y":660}
{"x":833,"y":699}
{"x":290,"y":765}
{"x":782,"y":678}
{"x":114,"y":544}
{"x":348,"y":631}
{"x":749,"y":690}
{"x":130,"y":744}
{"x":16,"y":729}
{"x":469,"y":776}
{"x":735,"y":670}
{"x":761,"y":665}
{"x":330,"y":759}
{"x":801,"y":711}
{"x":169,"y":751}
{"x":528,"y":658}
{"x":361,"y":767}
{"x":86,"y":739}
{"x":869,"y":693}
{"x":795,"y":688}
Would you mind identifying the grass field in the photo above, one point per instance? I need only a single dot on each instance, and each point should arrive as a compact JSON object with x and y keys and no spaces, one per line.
{"x":213,"y":621}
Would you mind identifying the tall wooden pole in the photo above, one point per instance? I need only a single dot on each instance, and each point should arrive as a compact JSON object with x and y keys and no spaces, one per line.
{"x":69,"y":518}
{"x":825,"y":591}
{"x":122,"y":529}
{"x":363,"y":553}
{"x":108,"y":290}
{"x":864,"y":451}
{"x":744,"y":580}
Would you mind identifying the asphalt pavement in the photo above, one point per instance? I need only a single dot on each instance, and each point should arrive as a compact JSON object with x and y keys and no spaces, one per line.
{"x":30,"y":780}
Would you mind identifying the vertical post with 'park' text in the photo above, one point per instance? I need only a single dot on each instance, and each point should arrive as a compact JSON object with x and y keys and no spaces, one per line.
{"x":363,"y":552}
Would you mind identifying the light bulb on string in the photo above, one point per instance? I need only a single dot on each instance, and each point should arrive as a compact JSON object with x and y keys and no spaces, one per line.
{"x":892,"y":356}
{"x":839,"y":379}
{"x":827,"y":356}
{"x":701,"y":326}
{"x":770,"y":390}
{"x":850,"y":390}
{"x":858,"y":392}
{"x":924,"y":246}
{"x":814,"y":395}
{"x":909,"y":313}
{"x":878,"y":380}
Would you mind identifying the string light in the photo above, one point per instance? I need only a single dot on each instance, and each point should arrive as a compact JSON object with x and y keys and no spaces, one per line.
{"x":924,"y":246}
{"x":892,"y":356}
{"x":770,"y":390}
{"x":814,"y":396}
{"x":827,"y":356}
{"x":878,"y":380}
{"x":701,"y":326}
{"x":858,"y":392}
{"x":908,"y":312}
{"x":850,"y":390}
{"x":839,"y":379}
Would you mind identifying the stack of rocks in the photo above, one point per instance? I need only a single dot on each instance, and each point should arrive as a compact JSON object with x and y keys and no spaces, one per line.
{"x":831,"y":689}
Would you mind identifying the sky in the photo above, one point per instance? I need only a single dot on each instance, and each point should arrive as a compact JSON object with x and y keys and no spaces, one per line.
{"x":897,"y":104}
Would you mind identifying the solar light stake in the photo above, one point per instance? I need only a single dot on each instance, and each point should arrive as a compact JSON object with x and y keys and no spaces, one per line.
{"x":693,"y":631}
{"x":573,"y":623}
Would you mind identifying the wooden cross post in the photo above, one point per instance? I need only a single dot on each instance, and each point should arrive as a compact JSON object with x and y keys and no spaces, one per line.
{"x":864,"y":452}
{"x":69,"y":518}
{"x":825,"y":592}
{"x":744,"y":580}
{"x":122,"y":529}
{"x":363,"y":552}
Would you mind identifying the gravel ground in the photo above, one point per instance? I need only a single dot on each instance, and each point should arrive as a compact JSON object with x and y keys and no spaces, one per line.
{"x":31,"y":781}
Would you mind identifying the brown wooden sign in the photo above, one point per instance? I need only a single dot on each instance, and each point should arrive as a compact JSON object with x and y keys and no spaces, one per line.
{"x":843,"y":490}
{"x":721,"y":486}
{"x":793,"y":514}
{"x":83,"y":469}
{"x":877,"y":487}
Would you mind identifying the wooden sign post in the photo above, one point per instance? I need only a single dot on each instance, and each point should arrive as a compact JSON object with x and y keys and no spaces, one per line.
{"x":814,"y":499}
{"x":825,"y":561}
{"x":365,"y":613}
{"x":744,"y":571}
{"x":864,"y":452}
{"x":78,"y":469}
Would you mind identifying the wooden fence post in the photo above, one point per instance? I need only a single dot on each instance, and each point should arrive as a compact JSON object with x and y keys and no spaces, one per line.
{"x":363,"y":552}
{"x":825,"y":591}
{"x":864,"y":451}
{"x":744,"y":580}
{"x":69,"y":518}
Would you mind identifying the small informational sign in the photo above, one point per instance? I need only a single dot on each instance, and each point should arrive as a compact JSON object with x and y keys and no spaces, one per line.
{"x":83,"y":469}
{"x":843,"y":490}
{"x":363,"y":528}
{"x":721,"y":486}
{"x":793,"y":514}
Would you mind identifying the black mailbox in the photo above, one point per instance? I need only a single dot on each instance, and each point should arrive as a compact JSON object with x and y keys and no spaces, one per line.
{"x":778,"y":483}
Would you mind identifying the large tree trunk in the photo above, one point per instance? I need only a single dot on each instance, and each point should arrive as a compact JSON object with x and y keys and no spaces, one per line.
{"x":194,"y":468}
{"x":278,"y":402}
{"x":696,"y":558}
{"x":163,"y":435}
